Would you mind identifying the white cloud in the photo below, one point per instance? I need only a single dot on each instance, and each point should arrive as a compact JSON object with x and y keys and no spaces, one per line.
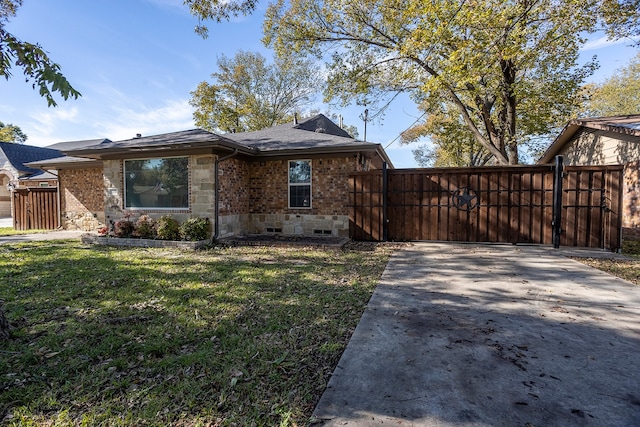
{"x":167,"y":3}
{"x":119,"y":121}
{"x":44,"y":124}
{"x":126,"y":122}
{"x":605,"y":41}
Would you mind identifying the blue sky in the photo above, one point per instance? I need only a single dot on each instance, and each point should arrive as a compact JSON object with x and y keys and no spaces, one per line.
{"x":135,"y":62}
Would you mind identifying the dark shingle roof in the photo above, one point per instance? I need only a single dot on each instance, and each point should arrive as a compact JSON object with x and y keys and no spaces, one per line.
{"x":18,"y":154}
{"x":313,"y":136}
{"x":173,"y":138}
{"x":316,"y":132}
{"x":74,"y":145}
{"x":187,"y":139}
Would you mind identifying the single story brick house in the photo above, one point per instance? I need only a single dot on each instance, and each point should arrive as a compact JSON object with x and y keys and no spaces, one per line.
{"x":605,"y":141}
{"x":291,"y":179}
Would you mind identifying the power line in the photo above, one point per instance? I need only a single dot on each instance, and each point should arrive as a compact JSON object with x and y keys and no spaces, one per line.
{"x":410,"y":126}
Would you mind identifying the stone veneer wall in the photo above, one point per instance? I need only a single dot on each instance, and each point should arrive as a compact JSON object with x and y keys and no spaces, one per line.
{"x":113,"y":189}
{"x":201,"y":191}
{"x":5,"y":196}
{"x":631,"y":202}
{"x":82,"y":201}
{"x":201,"y":188}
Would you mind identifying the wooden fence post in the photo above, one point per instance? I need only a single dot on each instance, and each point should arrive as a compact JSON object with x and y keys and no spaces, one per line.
{"x":385,"y":221}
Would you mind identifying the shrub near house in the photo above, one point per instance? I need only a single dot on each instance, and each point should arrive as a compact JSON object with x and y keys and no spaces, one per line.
{"x":165,"y":228}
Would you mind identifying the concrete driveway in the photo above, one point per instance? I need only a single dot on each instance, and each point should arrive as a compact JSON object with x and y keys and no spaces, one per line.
{"x":490,"y":335}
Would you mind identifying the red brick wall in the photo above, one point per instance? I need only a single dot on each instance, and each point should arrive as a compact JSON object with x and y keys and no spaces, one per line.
{"x":82,"y":190}
{"x":268,"y":186}
{"x":234,"y":187}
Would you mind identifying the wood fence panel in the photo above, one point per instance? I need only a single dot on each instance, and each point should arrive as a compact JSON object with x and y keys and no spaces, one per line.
{"x":366,"y":200}
{"x":490,"y":204}
{"x":35,"y":208}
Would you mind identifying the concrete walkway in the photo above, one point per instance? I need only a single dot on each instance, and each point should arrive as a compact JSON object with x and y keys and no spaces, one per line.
{"x":490,"y":335}
{"x":51,"y":235}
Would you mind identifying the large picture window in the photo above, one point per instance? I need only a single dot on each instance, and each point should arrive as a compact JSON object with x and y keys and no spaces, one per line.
{"x":157,"y":183}
{"x":300,"y":183}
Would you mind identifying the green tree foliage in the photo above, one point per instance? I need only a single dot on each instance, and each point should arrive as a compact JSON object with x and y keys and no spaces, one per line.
{"x":36,"y":65}
{"x":452,"y":145}
{"x":507,"y":69}
{"x":218,"y":10}
{"x":622,"y":19}
{"x":12,"y":133}
{"x":249,"y":94}
{"x":619,"y":95}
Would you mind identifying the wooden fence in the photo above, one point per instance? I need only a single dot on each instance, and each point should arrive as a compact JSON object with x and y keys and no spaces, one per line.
{"x":35,"y":208}
{"x":489,"y":204}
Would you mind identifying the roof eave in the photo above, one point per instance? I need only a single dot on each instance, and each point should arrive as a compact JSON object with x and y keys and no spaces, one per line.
{"x":567,"y":133}
{"x":62,"y":164}
{"x":161,"y":149}
{"x":377,"y":148}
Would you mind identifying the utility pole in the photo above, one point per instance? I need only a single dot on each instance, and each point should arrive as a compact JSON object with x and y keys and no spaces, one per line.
{"x":365,"y":118}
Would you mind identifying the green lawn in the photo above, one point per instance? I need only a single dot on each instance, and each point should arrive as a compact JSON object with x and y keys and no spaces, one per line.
{"x":9,"y":231}
{"x":227,"y":336}
{"x":625,"y":269}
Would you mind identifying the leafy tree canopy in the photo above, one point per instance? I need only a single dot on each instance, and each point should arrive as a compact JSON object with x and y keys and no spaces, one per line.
{"x":507,"y":69}
{"x":619,"y":95}
{"x":452,"y":143}
{"x":218,"y":10}
{"x":622,"y":19}
{"x":12,"y":133}
{"x":249,"y":94}
{"x":36,"y":65}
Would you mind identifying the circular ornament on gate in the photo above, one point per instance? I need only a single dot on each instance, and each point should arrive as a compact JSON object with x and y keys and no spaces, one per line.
{"x":465,"y":198}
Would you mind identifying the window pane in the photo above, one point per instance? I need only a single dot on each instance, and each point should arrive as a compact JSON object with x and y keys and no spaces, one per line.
{"x":300,"y":172}
{"x":157,"y":183}
{"x":300,"y":196}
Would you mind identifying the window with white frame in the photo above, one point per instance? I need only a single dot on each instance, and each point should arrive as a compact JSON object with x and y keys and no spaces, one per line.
{"x":161,"y":183}
{"x":300,"y":183}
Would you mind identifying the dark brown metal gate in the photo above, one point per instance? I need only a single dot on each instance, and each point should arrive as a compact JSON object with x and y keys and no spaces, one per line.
{"x":489,"y":204}
{"x":35,"y":208}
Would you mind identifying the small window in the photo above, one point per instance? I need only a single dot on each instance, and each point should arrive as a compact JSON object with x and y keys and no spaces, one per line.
{"x":157,"y":183}
{"x":300,"y":183}
{"x":43,"y":184}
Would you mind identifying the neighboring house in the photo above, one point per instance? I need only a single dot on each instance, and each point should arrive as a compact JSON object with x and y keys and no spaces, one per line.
{"x":14,"y":172}
{"x":291,"y":179}
{"x":605,"y":141}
